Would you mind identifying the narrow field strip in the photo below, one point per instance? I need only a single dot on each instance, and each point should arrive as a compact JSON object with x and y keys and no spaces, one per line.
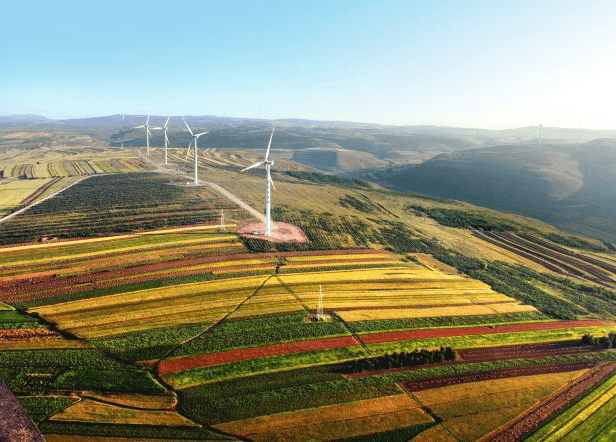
{"x":117,"y":250}
{"x":88,"y":410}
{"x":554,"y":430}
{"x":205,"y":360}
{"x":527,"y":422}
{"x":375,"y":338}
{"x":427,"y":312}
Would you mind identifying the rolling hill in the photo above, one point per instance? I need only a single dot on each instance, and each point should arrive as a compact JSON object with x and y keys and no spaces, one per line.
{"x":572,"y":186}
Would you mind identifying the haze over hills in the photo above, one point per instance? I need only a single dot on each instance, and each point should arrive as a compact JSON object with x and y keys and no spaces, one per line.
{"x":568,"y":181}
{"x":334,"y":146}
{"x":572,"y":185}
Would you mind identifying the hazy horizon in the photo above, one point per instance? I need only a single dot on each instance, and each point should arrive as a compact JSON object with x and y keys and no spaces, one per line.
{"x":471,"y":65}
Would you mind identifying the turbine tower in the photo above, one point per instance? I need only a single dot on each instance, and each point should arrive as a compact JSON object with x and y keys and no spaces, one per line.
{"x":147,"y":133}
{"x":540,"y":139}
{"x":194,"y":138}
{"x":164,"y":128}
{"x":268,"y":182}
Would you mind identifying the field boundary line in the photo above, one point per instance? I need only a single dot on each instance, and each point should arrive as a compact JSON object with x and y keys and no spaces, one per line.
{"x":211,"y":326}
{"x":437,"y":419}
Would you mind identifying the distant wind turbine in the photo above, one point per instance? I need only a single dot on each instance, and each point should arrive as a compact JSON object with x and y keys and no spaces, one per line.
{"x":268,"y":182}
{"x":194,"y":138}
{"x":164,"y":128}
{"x":147,"y":133}
{"x":540,"y":139}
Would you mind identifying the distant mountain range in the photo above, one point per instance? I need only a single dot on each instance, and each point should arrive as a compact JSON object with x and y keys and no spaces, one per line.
{"x":10,"y":120}
{"x":568,"y":181}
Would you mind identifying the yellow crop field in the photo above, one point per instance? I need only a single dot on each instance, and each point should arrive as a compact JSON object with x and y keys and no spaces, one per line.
{"x":268,"y":303}
{"x":156,"y":315}
{"x":473,"y":410}
{"x":334,"y":421}
{"x":66,"y":243}
{"x":184,"y":229}
{"x":208,"y":242}
{"x":355,"y":294}
{"x":400,"y":313}
{"x":453,"y":393}
{"x":13,"y":192}
{"x":158,"y":402}
{"x":336,"y":257}
{"x":87,"y":410}
{"x":399,"y":274}
{"x":326,"y":263}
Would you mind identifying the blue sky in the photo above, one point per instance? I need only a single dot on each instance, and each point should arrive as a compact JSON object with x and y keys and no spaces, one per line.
{"x":459,"y":63}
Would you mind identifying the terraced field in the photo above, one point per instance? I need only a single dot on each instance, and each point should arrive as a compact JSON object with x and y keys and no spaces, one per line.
{"x":127,"y":313}
{"x":62,"y":162}
{"x":223,"y":326}
{"x":28,"y":176}
{"x":554,"y":257}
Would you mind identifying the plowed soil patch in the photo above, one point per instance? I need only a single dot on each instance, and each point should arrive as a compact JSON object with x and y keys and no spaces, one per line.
{"x":205,"y":360}
{"x":281,"y":232}
{"x":525,"y":351}
{"x":28,"y":334}
{"x":375,"y":338}
{"x":442,"y":381}
{"x":521,"y":426}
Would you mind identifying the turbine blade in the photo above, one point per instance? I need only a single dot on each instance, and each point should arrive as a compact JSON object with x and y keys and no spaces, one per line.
{"x":148,"y":120}
{"x":272,"y":182}
{"x":253,"y":166}
{"x":167,"y":138}
{"x":167,"y":122}
{"x":202,"y":133}
{"x":269,"y":145}
{"x":155,"y":127}
{"x":139,"y":127}
{"x":188,"y":127}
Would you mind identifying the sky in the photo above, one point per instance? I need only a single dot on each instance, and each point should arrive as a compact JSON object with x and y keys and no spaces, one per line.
{"x":483,"y":64}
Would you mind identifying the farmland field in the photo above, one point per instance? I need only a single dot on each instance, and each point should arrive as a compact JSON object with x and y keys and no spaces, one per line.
{"x":127,"y":312}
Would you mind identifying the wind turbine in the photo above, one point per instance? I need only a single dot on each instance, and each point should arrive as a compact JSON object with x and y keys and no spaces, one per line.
{"x":194,"y":138}
{"x":268,"y":181}
{"x":147,"y":133}
{"x":164,"y":128}
{"x":540,"y":139}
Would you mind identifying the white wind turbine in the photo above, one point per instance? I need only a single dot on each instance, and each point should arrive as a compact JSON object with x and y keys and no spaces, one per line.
{"x":164,"y":128}
{"x":147,"y":133}
{"x":194,"y":138}
{"x":268,"y":181}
